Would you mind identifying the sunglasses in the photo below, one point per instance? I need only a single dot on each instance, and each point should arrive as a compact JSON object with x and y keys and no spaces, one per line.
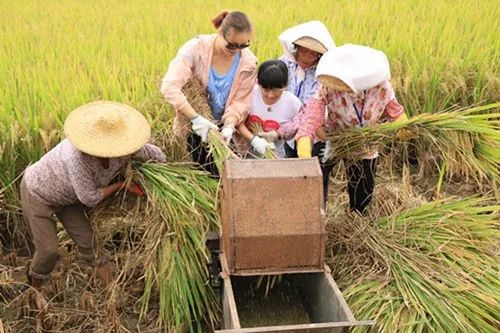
{"x":235,"y":46}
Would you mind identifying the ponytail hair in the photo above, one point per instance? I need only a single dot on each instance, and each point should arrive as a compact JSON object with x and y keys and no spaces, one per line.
{"x":217,"y":21}
{"x":226,"y":20}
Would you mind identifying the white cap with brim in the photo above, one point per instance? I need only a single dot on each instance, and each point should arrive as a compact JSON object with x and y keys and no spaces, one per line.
{"x":312,"y":29}
{"x":107,"y":129}
{"x":360,"y":67}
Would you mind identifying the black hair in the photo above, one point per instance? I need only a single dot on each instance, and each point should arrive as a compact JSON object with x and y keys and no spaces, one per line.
{"x":272,"y":74}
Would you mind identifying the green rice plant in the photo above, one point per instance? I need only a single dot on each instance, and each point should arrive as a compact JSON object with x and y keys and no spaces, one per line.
{"x":220,"y":150}
{"x":57,"y":55}
{"x":433,"y":267}
{"x":467,"y":140}
{"x":440,"y":55}
{"x":182,"y":202}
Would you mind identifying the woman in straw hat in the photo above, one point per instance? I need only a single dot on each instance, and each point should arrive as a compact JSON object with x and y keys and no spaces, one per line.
{"x":100,"y":139}
{"x":356,"y":92}
{"x":227,"y":68}
{"x":303,"y":46}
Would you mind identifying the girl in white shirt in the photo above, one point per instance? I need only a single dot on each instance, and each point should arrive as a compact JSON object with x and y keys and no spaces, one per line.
{"x":272,"y":107}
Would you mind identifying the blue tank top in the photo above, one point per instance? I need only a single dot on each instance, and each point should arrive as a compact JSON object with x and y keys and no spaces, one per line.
{"x":219,"y":87}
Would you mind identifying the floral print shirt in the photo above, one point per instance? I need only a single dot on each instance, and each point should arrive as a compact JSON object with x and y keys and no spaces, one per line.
{"x":345,"y":110}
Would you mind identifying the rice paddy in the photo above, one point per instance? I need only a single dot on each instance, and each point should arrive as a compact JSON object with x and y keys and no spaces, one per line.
{"x":424,"y":260}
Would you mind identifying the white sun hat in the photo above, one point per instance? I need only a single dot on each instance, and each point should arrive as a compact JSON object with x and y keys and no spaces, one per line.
{"x":313,"y":35}
{"x":107,"y":129}
{"x":360,"y":67}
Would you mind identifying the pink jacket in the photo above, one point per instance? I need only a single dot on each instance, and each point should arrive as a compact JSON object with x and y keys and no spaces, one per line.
{"x":194,"y":58}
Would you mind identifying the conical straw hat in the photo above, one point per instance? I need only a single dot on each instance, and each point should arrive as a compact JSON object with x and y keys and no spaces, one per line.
{"x":333,"y":83}
{"x":311,"y":44}
{"x":107,"y":129}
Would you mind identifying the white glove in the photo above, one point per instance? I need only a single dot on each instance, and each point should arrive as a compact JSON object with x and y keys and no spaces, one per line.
{"x":227,"y":132}
{"x":271,"y":136}
{"x":201,"y":126}
{"x":326,"y":152}
{"x":260,"y":145}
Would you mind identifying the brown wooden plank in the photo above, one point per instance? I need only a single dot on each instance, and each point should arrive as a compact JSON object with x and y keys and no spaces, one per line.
{"x":230,"y":312}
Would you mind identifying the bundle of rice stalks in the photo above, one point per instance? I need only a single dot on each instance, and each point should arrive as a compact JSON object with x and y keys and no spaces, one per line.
{"x":429,"y":268}
{"x":468,"y":141}
{"x":182,"y":207}
{"x":198,"y":98}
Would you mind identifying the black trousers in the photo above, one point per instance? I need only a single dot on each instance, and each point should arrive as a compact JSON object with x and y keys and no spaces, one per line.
{"x":360,"y":177}
{"x":361,"y":183}
{"x":200,"y":154}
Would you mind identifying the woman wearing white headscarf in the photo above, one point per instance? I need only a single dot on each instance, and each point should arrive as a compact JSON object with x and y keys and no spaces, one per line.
{"x":303,"y":46}
{"x":356,"y":92}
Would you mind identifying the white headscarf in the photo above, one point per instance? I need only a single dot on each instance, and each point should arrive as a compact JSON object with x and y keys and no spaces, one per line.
{"x":360,"y":67}
{"x":313,"y":29}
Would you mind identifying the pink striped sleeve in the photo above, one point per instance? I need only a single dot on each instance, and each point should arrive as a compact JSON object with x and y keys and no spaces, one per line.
{"x":288,"y":130}
{"x":313,"y":116}
{"x":393,"y":110}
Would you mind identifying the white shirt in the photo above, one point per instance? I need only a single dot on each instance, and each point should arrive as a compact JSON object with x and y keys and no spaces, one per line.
{"x":282,"y":111}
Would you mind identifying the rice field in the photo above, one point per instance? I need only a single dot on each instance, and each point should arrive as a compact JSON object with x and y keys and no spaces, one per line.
{"x":444,"y":55}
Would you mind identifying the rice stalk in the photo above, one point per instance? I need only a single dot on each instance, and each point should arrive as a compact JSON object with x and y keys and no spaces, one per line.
{"x":467,"y":140}
{"x":182,"y":202}
{"x":430,"y":268}
{"x":198,"y":98}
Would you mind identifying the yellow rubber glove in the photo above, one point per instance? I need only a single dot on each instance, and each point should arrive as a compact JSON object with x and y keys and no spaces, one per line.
{"x":304,"y":147}
{"x":404,"y":134}
{"x":402,"y":117}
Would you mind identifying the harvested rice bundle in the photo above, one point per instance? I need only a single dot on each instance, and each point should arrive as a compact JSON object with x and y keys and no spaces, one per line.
{"x":181,"y":208}
{"x":468,"y":141}
{"x":429,"y":268}
{"x":197,"y":97}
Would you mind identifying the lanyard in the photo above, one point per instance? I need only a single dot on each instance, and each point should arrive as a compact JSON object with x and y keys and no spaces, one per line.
{"x":359,"y":113}
{"x":300,"y":74}
{"x":300,"y":88}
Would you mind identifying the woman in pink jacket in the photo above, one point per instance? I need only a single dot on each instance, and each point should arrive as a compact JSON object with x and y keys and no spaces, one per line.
{"x":227,"y":68}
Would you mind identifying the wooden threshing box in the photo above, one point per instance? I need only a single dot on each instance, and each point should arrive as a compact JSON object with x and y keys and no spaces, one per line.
{"x":272,"y":216}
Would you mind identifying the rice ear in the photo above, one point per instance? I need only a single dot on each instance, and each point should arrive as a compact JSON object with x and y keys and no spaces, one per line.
{"x":466,"y":140}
